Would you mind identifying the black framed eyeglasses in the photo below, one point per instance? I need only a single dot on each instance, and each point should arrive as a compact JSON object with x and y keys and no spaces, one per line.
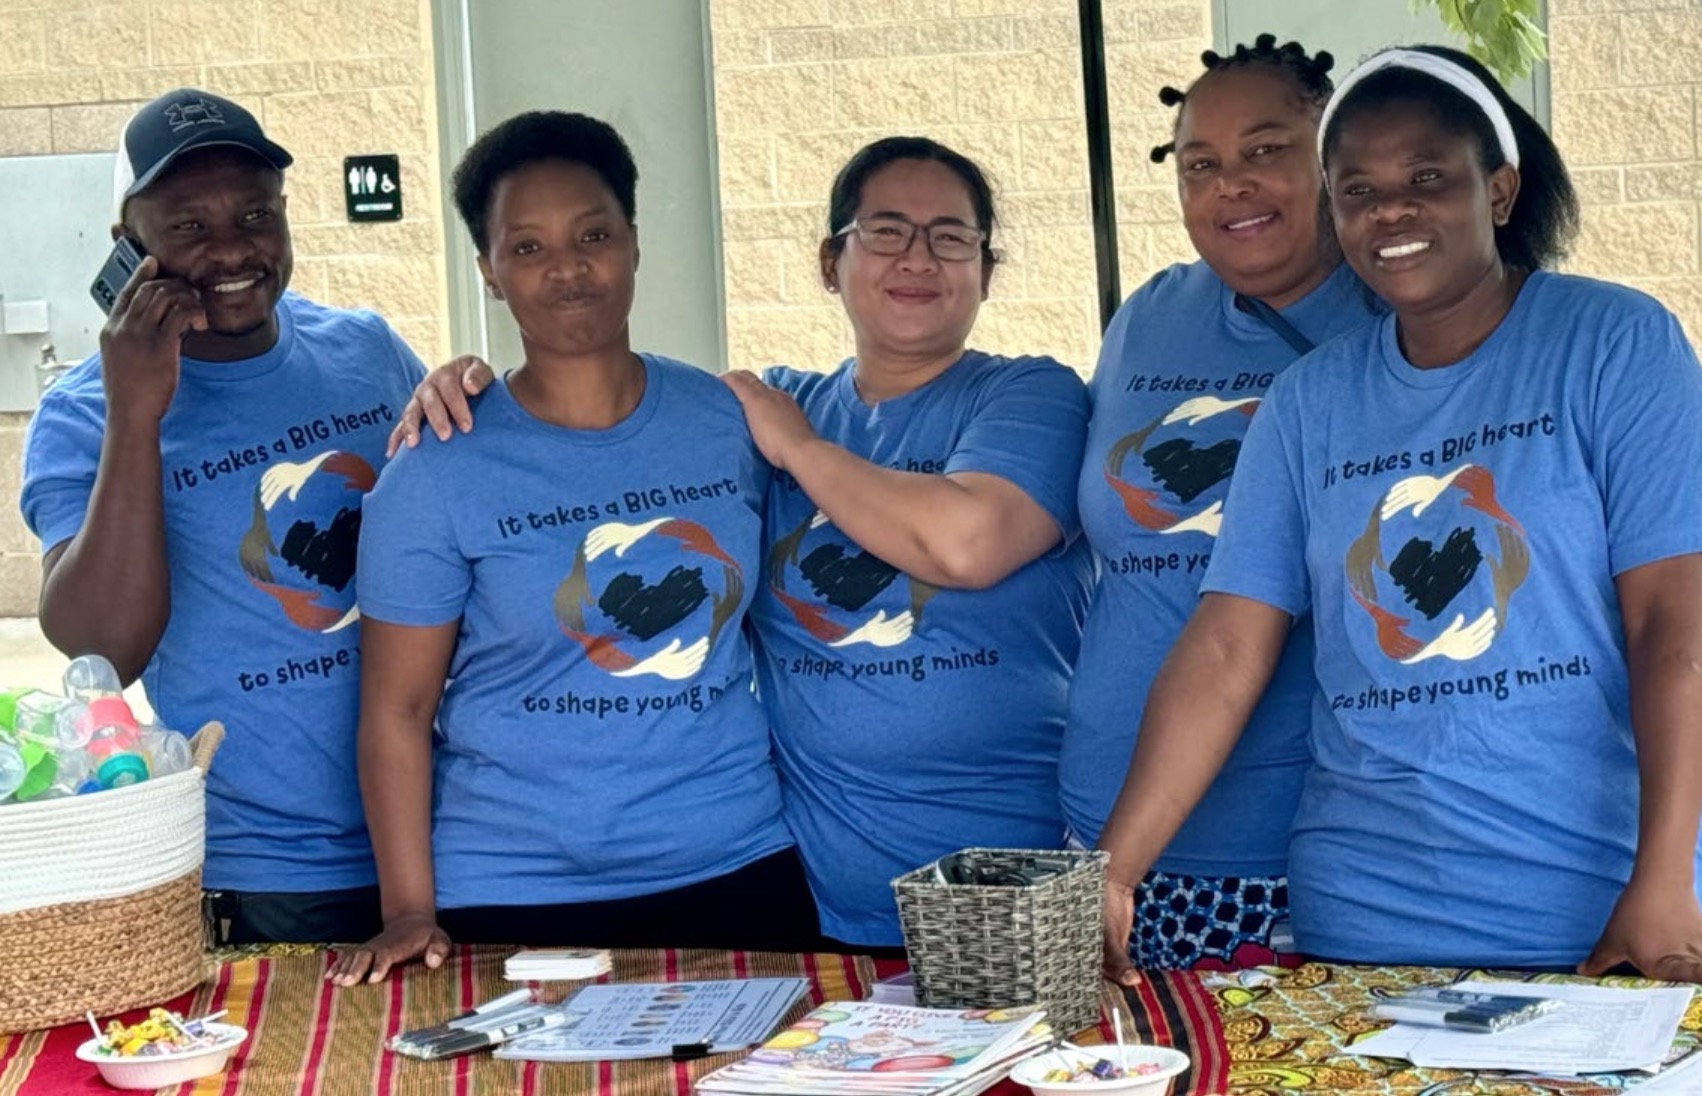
{"x":948,"y":241}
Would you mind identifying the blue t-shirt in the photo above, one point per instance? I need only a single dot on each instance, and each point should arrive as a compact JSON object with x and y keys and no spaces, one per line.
{"x":598,"y":737}
{"x":1181,"y":373}
{"x":912,"y":721}
{"x":1455,"y":533}
{"x":265,"y":463}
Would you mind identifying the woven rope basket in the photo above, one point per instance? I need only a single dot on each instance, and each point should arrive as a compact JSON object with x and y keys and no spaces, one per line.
{"x":991,"y":946}
{"x":100,"y":908}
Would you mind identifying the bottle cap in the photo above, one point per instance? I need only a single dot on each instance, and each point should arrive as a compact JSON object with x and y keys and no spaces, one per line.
{"x":111,"y":711}
{"x":122,"y":769}
{"x":43,"y":771}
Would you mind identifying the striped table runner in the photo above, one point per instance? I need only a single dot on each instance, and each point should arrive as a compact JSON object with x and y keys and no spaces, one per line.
{"x":308,"y":1038}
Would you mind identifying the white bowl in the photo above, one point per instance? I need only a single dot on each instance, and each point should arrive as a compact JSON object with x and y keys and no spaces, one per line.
{"x":160,"y":1070}
{"x":1170,"y":1062}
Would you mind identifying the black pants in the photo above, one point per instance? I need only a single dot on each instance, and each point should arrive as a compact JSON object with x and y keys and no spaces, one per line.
{"x":763,"y":906}
{"x":274,"y":917}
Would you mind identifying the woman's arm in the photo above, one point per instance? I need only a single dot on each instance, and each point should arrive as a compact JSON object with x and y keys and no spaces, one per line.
{"x":962,"y":530}
{"x":1195,"y":713}
{"x":441,"y":401}
{"x":966,"y":530}
{"x":402,"y":673}
{"x":1656,"y":924}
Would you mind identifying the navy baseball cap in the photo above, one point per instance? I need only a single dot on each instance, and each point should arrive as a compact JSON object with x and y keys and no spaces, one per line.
{"x":188,"y":118}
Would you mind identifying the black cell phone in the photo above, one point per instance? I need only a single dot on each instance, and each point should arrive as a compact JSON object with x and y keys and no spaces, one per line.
{"x":126,"y":256}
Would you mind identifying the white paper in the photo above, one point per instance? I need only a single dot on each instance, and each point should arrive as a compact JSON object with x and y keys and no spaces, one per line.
{"x":1599,"y":1029}
{"x":899,"y":989}
{"x":1684,"y":1079}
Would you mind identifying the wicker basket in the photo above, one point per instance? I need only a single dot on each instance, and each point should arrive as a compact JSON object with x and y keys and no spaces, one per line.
{"x":100,"y":906}
{"x":987,"y":946}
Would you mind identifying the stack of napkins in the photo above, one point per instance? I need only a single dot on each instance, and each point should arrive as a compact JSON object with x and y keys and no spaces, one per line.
{"x":555,"y":964}
{"x":851,"y":1048}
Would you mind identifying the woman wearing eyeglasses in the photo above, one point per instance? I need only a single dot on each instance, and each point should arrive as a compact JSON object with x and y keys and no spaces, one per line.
{"x":925,"y":583}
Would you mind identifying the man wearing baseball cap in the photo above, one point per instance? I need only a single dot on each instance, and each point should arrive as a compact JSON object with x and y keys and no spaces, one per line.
{"x":196,"y":486}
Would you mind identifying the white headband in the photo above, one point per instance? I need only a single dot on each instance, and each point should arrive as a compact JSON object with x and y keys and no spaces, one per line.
{"x":1454,"y":75}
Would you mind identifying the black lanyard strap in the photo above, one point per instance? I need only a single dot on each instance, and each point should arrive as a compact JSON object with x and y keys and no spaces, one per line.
{"x":1272,"y":319}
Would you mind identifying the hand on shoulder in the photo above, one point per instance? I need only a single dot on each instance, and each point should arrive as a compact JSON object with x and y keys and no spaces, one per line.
{"x":441,"y":400}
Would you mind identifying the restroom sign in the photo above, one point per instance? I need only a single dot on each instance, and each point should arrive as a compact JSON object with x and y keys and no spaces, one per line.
{"x":372,"y":188}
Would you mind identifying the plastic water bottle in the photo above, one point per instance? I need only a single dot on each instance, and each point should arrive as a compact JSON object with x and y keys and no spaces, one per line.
{"x":115,"y":743}
{"x":114,"y":739}
{"x":13,"y":770}
{"x":71,"y":775}
{"x":41,"y":727}
{"x":41,"y":766}
{"x":72,"y":725}
{"x":36,"y":716}
{"x":167,"y":751}
{"x":89,"y":677}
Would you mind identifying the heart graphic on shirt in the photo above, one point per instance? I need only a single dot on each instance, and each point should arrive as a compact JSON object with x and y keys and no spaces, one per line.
{"x":647,"y":610}
{"x":630,"y":627}
{"x":327,"y":556}
{"x":846,"y":582}
{"x":1186,"y":470}
{"x":299,"y":548}
{"x":1430,"y":577}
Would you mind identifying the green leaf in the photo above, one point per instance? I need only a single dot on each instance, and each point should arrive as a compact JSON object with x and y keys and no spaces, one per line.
{"x":1503,"y":34}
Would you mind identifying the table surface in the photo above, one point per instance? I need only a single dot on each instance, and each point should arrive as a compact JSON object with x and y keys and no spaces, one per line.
{"x":1257,"y":1033}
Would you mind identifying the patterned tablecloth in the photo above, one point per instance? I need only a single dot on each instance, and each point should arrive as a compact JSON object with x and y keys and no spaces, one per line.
{"x":1257,"y":1033}
{"x":1282,"y":1032}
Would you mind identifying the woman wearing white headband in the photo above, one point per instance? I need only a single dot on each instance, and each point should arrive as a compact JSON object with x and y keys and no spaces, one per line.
{"x":1491,"y":503}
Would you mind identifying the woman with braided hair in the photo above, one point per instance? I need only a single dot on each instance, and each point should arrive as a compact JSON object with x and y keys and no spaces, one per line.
{"x":1489,"y":504}
{"x":1184,"y":365}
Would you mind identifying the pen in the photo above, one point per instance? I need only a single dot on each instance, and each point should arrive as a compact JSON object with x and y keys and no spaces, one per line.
{"x":498,"y":1021}
{"x":480,"y":1016}
{"x":1465,"y":1013}
{"x":1460,"y":1019}
{"x":478,"y":1025}
{"x":463,"y":1040}
{"x":497,"y":1004}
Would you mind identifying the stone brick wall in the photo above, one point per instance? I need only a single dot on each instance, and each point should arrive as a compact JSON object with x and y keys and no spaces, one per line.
{"x":801,"y":84}
{"x":1627,"y":110}
{"x":327,"y":78}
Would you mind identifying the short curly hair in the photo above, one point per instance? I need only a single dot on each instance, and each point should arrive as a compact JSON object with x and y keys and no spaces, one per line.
{"x":535,"y":137}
